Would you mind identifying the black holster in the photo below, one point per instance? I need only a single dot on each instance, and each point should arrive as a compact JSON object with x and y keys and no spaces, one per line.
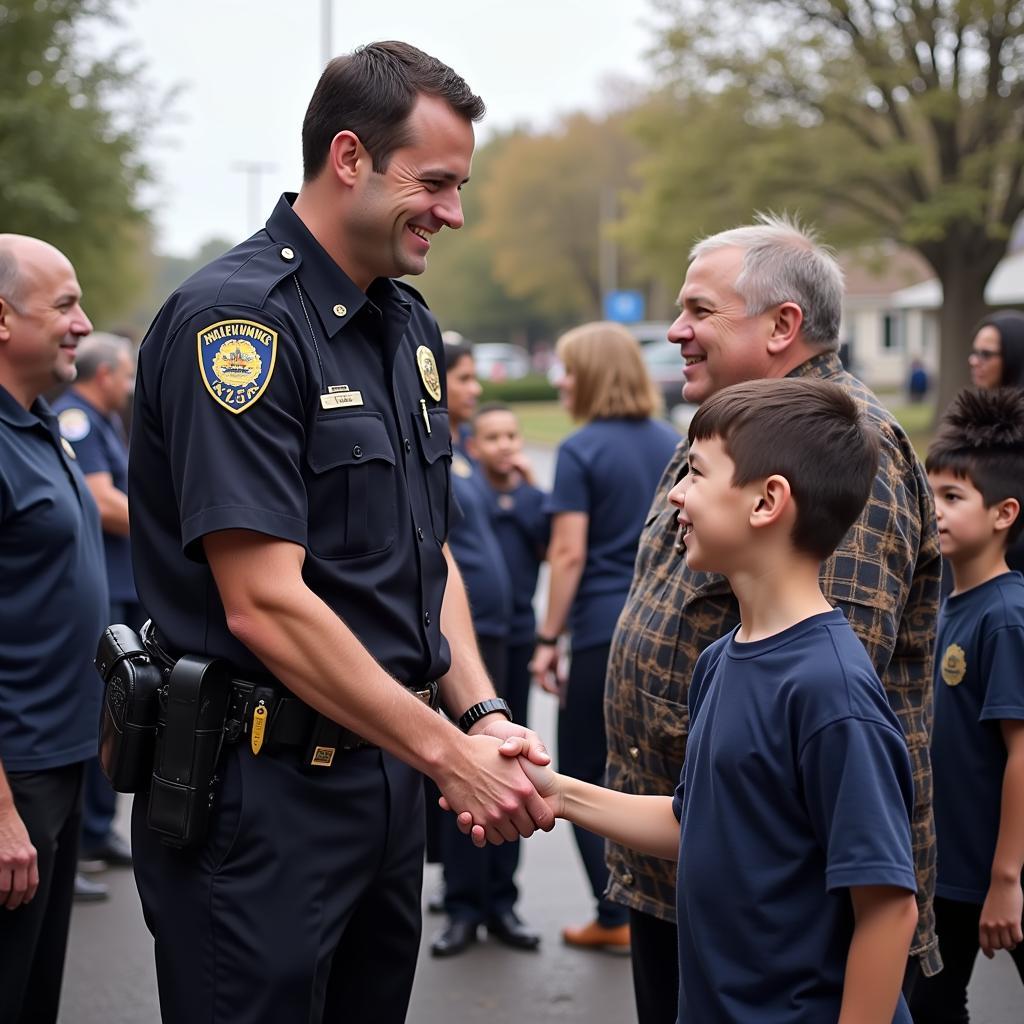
{"x":190,"y":734}
{"x":131,"y":682}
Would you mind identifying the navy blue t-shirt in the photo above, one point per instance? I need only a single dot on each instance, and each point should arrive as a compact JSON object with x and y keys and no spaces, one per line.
{"x":979,"y":680}
{"x":477,"y":552}
{"x":53,"y":595}
{"x":609,"y":469}
{"x":797,"y":785}
{"x":522,"y":528}
{"x":101,"y":447}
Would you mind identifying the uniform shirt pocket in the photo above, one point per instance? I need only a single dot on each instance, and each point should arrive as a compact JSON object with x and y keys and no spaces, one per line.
{"x":352,"y":490}
{"x":436,"y":448}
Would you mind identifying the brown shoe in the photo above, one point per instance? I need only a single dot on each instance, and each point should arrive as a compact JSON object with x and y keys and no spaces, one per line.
{"x":596,"y":936}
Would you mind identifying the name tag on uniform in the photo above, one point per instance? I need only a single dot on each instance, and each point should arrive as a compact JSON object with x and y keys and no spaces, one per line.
{"x":339,"y":397}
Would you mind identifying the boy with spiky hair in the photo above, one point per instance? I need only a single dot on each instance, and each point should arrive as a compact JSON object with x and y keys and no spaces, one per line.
{"x":791,"y":820}
{"x":976,"y":468}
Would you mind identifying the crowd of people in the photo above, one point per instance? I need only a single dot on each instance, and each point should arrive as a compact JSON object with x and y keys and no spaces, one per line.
{"x":810,"y":777}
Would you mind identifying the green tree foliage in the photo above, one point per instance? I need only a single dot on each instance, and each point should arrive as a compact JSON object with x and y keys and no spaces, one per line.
{"x":900,"y":119}
{"x":70,"y":130}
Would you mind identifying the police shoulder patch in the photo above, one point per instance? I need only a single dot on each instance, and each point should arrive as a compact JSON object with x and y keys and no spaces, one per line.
{"x":74,"y":424}
{"x":236,"y":361}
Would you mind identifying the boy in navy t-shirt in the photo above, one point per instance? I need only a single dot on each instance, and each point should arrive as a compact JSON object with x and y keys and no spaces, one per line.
{"x":796,"y":880}
{"x":976,"y":469}
{"x":523,"y":529}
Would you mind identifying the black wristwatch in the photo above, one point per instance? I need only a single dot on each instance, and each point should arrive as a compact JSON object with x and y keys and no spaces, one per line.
{"x":545,"y":641}
{"x":486,"y":707}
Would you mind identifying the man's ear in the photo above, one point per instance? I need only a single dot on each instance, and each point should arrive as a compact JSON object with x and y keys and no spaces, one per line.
{"x":5,"y":317}
{"x":786,"y":325}
{"x":1006,"y":511}
{"x":774,"y":499}
{"x":347,"y":153}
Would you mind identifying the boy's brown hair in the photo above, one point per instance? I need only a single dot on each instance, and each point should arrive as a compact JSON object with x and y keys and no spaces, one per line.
{"x":981,"y":439}
{"x":810,"y":431}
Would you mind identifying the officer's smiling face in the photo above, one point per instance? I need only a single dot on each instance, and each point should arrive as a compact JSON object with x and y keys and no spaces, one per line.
{"x":401,"y":210}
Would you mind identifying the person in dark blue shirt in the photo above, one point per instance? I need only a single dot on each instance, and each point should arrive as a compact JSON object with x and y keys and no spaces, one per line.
{"x":795,"y":888}
{"x":606,"y":474}
{"x":976,"y":468}
{"x":479,"y":885}
{"x":53,"y":604}
{"x":89,"y":414}
{"x":289,"y":480}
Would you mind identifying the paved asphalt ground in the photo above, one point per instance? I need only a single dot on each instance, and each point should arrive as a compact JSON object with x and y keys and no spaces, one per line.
{"x":109,"y":977}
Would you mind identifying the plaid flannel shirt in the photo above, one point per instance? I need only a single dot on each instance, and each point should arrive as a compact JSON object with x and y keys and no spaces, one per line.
{"x":885,"y":577}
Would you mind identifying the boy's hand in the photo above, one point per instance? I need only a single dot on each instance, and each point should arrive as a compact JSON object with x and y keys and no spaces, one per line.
{"x":1000,"y":925}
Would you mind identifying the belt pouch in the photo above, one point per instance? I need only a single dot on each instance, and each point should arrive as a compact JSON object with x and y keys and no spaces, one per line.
{"x":131,"y":683}
{"x":189,"y":738}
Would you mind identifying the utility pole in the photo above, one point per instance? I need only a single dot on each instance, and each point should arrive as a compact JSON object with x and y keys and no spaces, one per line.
{"x":253,"y":171}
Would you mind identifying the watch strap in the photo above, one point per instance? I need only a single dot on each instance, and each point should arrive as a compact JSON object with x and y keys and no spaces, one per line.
{"x":472,"y":715}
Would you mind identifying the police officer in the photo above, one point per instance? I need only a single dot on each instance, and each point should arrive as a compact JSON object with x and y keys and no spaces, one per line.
{"x":53,"y":598}
{"x":89,"y":414}
{"x":289,"y":483}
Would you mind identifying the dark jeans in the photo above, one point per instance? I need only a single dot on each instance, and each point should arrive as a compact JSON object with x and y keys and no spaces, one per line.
{"x":33,"y":938}
{"x":582,"y":750}
{"x":655,"y":953}
{"x":99,"y":801}
{"x":479,"y":884}
{"x":942,"y":999}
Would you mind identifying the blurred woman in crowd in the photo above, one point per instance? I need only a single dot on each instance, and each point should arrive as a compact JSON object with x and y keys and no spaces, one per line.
{"x":606,"y":475}
{"x":997,"y":352}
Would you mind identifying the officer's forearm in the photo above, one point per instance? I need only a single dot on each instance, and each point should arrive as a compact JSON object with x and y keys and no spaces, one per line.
{"x":304,"y":644}
{"x":112,"y":503}
{"x":466,"y":682}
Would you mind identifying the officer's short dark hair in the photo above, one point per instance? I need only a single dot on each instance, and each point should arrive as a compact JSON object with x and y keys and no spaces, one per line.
{"x":371,"y":92}
{"x":810,"y":431}
{"x":980,"y":438}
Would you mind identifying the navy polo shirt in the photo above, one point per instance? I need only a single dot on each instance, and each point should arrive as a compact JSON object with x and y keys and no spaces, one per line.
{"x":274,"y":395}
{"x":979,"y":681}
{"x":477,"y":552}
{"x":53,"y":595}
{"x":609,"y":469}
{"x":522,"y":528}
{"x":101,"y":446}
{"x":796,"y":786}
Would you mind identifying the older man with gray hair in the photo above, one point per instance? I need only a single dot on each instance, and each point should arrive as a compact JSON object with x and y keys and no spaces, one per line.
{"x":89,"y":413}
{"x":764,"y":301}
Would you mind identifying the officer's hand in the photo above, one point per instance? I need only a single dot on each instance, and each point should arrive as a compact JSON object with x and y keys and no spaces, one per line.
{"x":19,"y":867}
{"x":493,"y":790}
{"x":532,"y":745}
{"x":546,"y":669}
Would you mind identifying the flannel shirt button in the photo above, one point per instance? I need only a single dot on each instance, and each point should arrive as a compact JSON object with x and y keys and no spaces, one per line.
{"x":627,"y":877}
{"x":634,"y":752}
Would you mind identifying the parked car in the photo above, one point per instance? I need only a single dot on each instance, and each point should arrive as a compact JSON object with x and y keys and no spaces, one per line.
{"x":665,"y":365}
{"x":499,"y":361}
{"x":650,"y":332}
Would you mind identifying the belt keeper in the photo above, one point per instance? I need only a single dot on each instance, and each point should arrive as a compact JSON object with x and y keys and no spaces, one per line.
{"x":323,"y":743}
{"x":260,"y":714}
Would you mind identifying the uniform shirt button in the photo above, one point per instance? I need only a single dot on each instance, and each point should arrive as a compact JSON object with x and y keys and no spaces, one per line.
{"x":287,"y":254}
{"x":357,"y":452}
{"x":634,"y":752}
{"x":408,"y":445}
{"x":340,"y":310}
{"x":627,"y":877}
{"x":419,"y":532}
{"x":426,"y":618}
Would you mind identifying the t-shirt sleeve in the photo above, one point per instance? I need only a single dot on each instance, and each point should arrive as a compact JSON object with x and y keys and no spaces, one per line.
{"x":859,"y":792}
{"x":1004,"y":691}
{"x":571,"y":490}
{"x":234,"y":468}
{"x":694,"y":696}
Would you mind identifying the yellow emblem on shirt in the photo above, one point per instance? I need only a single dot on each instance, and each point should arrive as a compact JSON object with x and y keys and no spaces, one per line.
{"x":236,"y":359}
{"x":428,"y":372}
{"x":461,"y":466}
{"x":953,"y":665}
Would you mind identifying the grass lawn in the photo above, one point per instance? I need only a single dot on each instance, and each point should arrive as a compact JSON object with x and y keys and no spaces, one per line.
{"x":546,"y":423}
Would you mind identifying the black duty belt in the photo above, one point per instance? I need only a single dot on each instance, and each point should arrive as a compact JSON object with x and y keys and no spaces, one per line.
{"x":264,"y":710}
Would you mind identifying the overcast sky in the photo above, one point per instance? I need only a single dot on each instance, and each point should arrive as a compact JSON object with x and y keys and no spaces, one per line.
{"x":248,"y":67}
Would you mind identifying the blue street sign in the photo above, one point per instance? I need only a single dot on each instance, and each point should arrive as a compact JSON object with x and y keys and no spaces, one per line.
{"x":625,"y":307}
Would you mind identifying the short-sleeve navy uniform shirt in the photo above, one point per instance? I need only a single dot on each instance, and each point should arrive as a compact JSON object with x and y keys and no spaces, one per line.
{"x":53,"y":595}
{"x":796,"y":787}
{"x":101,"y":447}
{"x":273,"y":395}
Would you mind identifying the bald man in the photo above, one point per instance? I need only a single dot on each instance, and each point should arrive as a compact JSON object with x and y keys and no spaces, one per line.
{"x":53,"y":599}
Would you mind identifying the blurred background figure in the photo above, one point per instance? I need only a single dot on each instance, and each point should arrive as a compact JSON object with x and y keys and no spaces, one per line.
{"x":606,"y":475}
{"x":89,"y":414}
{"x":997,"y":352}
{"x":479,"y":885}
{"x":917,"y":382}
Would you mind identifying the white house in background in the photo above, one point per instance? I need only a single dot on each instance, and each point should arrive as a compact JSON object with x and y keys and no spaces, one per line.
{"x":886,"y":327}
